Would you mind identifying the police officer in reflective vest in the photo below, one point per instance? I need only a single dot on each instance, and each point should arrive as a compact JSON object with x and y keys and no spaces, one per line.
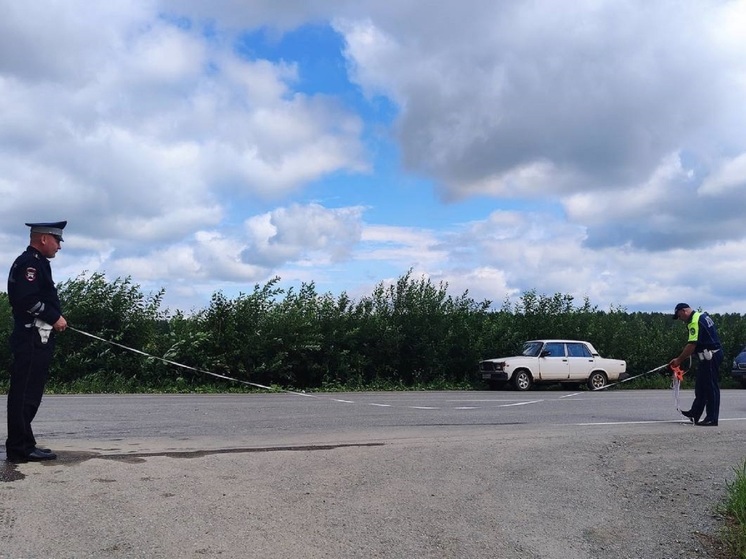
{"x":37,"y":315}
{"x":704,"y":342}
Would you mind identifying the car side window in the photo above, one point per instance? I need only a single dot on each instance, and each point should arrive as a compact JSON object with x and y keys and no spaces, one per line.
{"x":578,"y":350}
{"x":555,"y":349}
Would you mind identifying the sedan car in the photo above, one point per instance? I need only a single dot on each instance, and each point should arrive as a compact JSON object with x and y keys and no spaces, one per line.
{"x":738,"y":371}
{"x":552,"y":361}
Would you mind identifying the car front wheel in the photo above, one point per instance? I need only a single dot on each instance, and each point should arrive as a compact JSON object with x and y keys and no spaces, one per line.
{"x":597,"y":380}
{"x":522,"y":380}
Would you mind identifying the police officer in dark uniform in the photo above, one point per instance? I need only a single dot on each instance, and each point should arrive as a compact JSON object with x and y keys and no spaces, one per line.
{"x":37,"y":315}
{"x":703,"y":341}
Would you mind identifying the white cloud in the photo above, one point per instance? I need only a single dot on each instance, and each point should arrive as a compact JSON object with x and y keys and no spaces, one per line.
{"x":161,"y":126}
{"x":599,"y":92}
{"x":65,"y":43}
{"x":207,"y":256}
{"x":603,"y":142}
{"x":302,"y":233}
{"x":510,"y":253}
{"x":727,"y":179}
{"x":408,"y":247}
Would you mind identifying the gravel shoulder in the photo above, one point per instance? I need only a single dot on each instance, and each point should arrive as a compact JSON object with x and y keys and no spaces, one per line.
{"x":646,"y":491}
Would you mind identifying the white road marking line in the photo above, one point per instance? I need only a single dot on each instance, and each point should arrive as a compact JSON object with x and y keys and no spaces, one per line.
{"x":481,"y":401}
{"x":570,"y":395}
{"x":380,"y":405}
{"x":521,"y":403}
{"x":631,"y":422}
{"x":343,"y":401}
{"x":466,"y":408}
{"x":422,"y":408}
{"x":687,"y":422}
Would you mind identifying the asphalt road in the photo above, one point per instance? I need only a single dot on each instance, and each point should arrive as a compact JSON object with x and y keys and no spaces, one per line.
{"x":545,"y":474}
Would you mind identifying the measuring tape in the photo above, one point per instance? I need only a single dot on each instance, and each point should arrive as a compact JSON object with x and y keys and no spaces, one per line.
{"x":245,"y":382}
{"x":631,"y":378}
{"x":676,"y":380}
{"x":678,"y":375}
{"x":174,"y":363}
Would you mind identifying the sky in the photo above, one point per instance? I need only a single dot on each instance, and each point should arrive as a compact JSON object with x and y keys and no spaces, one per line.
{"x":589,"y":148}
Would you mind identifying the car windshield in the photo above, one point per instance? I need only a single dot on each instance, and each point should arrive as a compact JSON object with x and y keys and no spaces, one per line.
{"x":532,"y":349}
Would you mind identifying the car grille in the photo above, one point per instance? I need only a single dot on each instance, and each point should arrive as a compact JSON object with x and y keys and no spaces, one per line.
{"x":742,"y":366}
{"x":489,"y":366}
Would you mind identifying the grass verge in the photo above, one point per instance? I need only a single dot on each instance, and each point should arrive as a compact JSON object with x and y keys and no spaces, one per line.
{"x":734,"y":511}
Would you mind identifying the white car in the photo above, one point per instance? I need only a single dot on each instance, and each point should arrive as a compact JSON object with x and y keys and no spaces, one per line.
{"x":552,"y":361}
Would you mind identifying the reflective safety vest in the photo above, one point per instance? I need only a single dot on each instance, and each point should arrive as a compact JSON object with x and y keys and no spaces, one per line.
{"x":702,"y":331}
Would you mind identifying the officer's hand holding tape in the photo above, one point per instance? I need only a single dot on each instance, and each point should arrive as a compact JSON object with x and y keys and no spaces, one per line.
{"x":61,"y":324}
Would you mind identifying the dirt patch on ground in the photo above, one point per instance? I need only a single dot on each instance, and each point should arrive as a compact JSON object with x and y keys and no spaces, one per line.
{"x":672,"y":488}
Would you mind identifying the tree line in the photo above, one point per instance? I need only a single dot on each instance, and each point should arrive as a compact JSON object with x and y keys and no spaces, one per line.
{"x":407,"y":334}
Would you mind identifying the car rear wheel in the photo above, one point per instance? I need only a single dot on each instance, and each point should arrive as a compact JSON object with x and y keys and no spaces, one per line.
{"x":522,"y":380}
{"x":597,"y":380}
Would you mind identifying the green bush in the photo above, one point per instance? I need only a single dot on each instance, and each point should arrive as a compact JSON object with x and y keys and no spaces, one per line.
{"x":6,"y":327}
{"x":409,"y":333}
{"x":116,"y":311}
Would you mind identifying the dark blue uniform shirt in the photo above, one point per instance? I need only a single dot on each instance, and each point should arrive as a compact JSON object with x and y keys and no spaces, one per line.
{"x":31,"y":290}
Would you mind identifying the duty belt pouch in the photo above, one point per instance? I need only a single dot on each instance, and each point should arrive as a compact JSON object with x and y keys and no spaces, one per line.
{"x":44,"y":330}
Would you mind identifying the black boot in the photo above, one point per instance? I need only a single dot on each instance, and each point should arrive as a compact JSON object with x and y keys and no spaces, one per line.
{"x":689,"y":415}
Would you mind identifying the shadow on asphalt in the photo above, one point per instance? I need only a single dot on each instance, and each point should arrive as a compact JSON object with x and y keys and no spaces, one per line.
{"x":9,"y":471}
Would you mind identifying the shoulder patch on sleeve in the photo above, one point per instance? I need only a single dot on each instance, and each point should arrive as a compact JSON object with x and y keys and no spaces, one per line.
{"x":30,"y":274}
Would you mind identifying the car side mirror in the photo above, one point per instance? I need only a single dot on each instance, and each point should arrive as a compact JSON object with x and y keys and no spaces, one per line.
{"x":544,"y":353}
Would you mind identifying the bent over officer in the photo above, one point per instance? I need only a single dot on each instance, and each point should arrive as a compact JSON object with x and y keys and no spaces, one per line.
{"x":704,"y":341}
{"x":37,"y":314}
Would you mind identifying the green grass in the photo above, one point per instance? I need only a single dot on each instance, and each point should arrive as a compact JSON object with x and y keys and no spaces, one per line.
{"x":734,"y":511}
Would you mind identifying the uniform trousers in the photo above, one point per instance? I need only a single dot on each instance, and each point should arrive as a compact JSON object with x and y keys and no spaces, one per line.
{"x":28,"y":377}
{"x":707,"y":388}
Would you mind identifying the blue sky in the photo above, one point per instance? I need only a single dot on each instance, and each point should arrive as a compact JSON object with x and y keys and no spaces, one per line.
{"x":591,"y":149}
